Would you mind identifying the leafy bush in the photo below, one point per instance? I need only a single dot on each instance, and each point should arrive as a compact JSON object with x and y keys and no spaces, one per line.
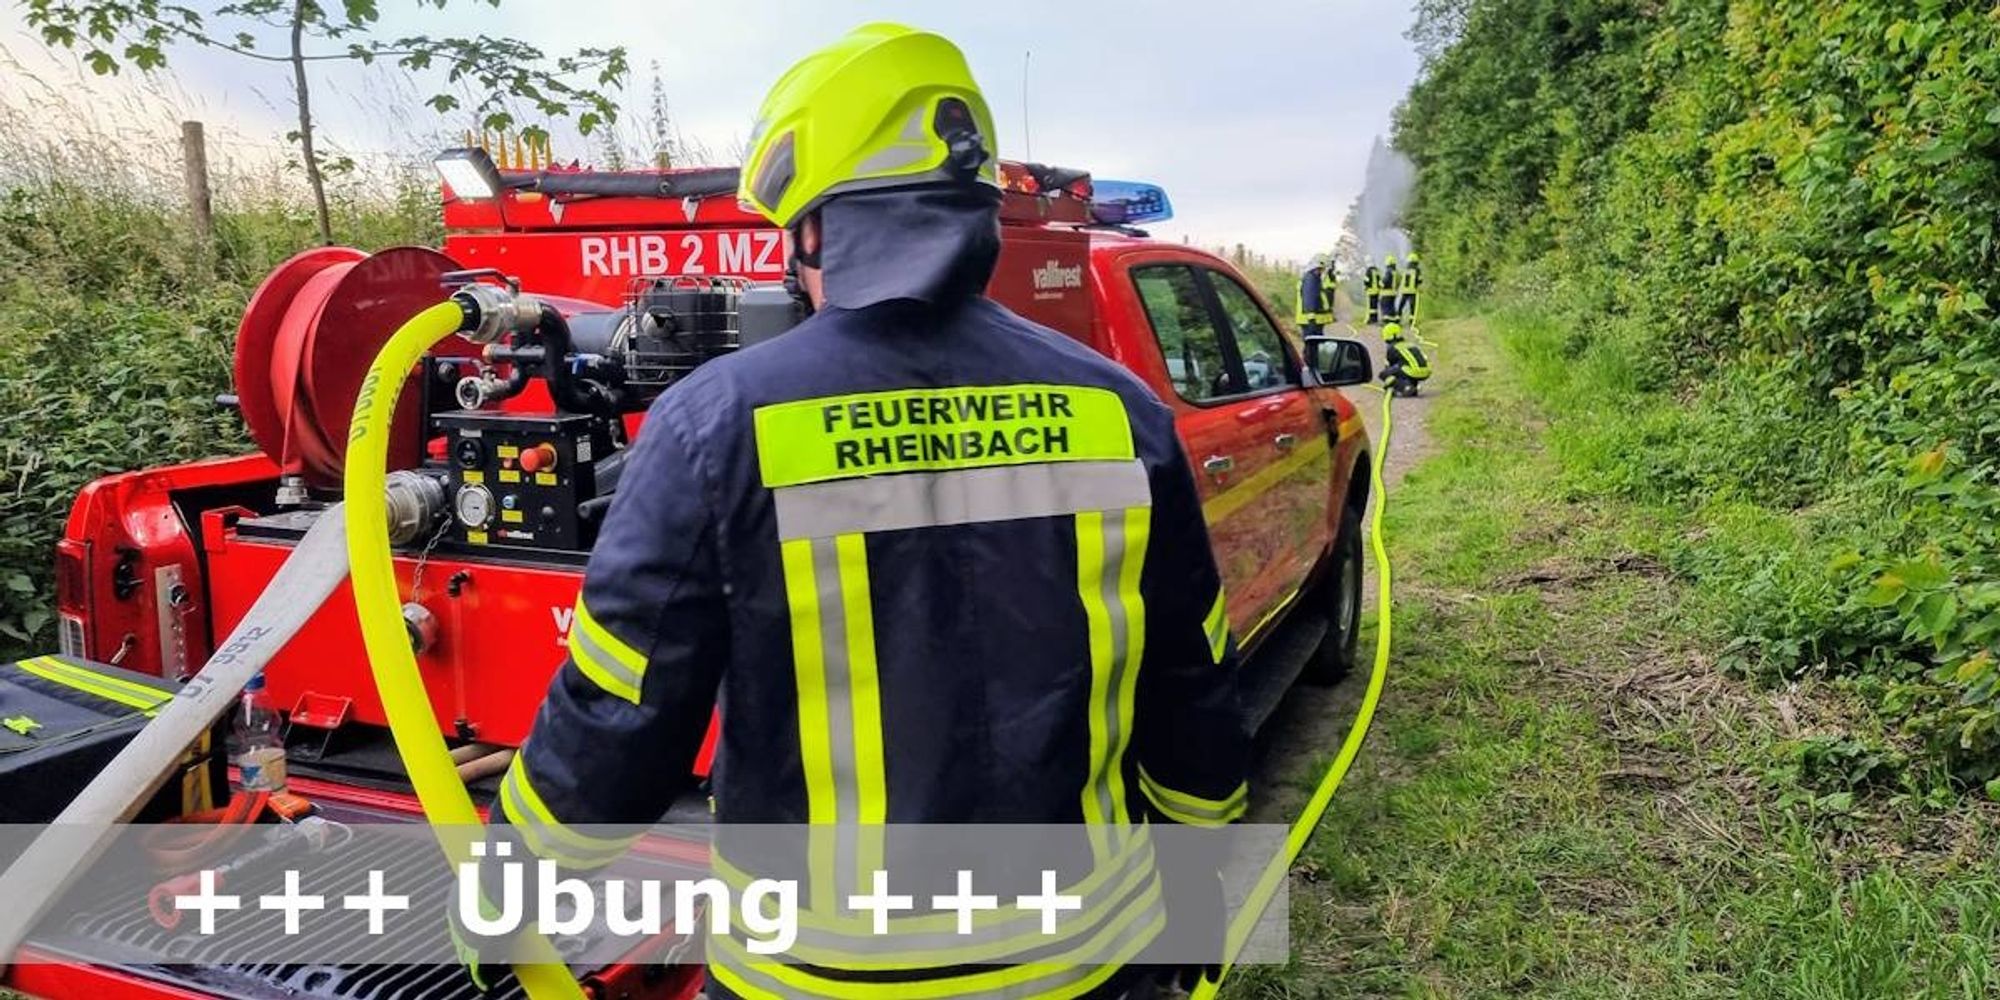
{"x":1754,"y":238}
{"x":116,"y":334}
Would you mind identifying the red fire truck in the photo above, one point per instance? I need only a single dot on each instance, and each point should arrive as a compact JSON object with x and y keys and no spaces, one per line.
{"x":156,"y":565}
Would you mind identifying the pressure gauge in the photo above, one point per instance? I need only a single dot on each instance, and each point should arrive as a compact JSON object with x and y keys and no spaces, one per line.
{"x":474,"y":505}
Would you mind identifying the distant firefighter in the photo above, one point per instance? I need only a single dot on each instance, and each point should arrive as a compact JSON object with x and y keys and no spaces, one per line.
{"x":1315,"y":312}
{"x":1372,"y":282}
{"x":1413,"y":283}
{"x":1391,"y":281}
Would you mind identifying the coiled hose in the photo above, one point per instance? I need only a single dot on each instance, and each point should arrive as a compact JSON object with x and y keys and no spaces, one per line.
{"x":377,"y":602}
{"x":1302,"y":829}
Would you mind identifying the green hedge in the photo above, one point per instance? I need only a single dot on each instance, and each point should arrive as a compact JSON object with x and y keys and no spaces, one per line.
{"x":116,"y":333}
{"x":1763,"y":235}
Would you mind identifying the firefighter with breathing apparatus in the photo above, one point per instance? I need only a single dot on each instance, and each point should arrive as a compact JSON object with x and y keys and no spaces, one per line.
{"x":1405,"y":366}
{"x":943,"y":565}
{"x":1315,"y":312}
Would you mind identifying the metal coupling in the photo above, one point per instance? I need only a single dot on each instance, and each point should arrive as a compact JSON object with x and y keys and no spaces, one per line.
{"x":292,"y":491}
{"x":414,"y":502}
{"x":493,"y":312}
{"x":473,"y":392}
{"x":421,"y":626}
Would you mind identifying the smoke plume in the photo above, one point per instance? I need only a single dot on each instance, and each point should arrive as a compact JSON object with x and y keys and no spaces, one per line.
{"x":1378,"y":214}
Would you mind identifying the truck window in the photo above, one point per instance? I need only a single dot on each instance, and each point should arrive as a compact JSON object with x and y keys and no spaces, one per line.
{"x":1266,"y":365}
{"x":1187,"y":336}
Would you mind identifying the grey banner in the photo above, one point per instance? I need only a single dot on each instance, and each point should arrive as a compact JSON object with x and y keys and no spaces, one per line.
{"x":330,"y":895}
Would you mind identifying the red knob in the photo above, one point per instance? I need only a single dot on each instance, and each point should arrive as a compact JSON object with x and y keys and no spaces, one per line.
{"x":538,"y":458}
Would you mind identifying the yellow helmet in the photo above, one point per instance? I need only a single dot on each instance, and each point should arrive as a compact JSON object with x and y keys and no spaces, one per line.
{"x":1393,"y":331}
{"x":1412,"y":258}
{"x":1389,"y":261}
{"x":885,"y":106}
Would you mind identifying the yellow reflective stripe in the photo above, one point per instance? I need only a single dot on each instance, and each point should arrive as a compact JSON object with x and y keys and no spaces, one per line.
{"x":864,"y":692}
{"x":809,"y":669}
{"x":809,"y":674}
{"x":1190,"y":819}
{"x":1258,"y":483}
{"x":1110,"y":555}
{"x":604,"y":677}
{"x":1097,"y":618}
{"x":1071,"y":974}
{"x":1193,"y":810}
{"x":618,"y":648}
{"x":1138,"y":531}
{"x":525,"y":809}
{"x":91,"y":682}
{"x":591,"y":645}
{"x":136,"y":690}
{"x":932,"y":430}
{"x":740,"y":986}
{"x":1216,"y":626}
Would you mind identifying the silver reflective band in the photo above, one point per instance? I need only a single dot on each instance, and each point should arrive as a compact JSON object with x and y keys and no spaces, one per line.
{"x":963,"y":496}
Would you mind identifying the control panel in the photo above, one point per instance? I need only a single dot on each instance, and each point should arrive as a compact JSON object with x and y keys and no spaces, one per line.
{"x":518,"y":481}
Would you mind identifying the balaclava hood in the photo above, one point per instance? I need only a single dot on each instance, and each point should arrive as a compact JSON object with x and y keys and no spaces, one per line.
{"x":935,"y":245}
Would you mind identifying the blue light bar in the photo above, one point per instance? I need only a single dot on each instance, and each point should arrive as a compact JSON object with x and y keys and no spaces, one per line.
{"x":1129,"y":203}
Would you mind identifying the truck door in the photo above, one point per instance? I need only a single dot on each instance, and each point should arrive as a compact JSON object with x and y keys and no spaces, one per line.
{"x":1235,"y":433}
{"x":1282,"y":505}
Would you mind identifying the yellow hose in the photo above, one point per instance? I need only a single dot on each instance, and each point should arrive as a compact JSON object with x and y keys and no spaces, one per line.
{"x":1302,"y":829}
{"x":378,"y":603}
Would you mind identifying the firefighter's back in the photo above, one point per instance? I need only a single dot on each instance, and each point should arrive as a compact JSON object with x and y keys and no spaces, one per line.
{"x":932,"y":523}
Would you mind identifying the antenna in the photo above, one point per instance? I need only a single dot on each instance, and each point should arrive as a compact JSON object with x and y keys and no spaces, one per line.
{"x":1027,"y":137}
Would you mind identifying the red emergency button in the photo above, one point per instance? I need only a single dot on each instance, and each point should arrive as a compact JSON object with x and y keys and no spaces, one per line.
{"x":538,"y":458}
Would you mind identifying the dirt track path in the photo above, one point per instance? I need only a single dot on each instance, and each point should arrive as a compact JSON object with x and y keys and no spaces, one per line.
{"x":1301,"y":737}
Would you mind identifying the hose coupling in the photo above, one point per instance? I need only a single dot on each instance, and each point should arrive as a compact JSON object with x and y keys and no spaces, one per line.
{"x":493,"y":312}
{"x":415,"y":503}
{"x":473,"y":392}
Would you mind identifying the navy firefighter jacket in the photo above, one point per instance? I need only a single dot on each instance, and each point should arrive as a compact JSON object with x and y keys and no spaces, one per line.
{"x":933,"y":564}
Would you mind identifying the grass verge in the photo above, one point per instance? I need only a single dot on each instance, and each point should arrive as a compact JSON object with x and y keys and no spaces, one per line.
{"x":1565,"y":796}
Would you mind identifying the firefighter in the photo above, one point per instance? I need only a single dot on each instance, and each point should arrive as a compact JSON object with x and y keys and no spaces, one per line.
{"x":1372,"y":282}
{"x":1413,"y":281}
{"x":1315,"y":311}
{"x":1405,"y":366}
{"x":942,"y":564}
{"x":1391,"y":279}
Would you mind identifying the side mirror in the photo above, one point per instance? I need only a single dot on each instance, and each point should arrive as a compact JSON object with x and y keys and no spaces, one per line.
{"x":1338,"y":361}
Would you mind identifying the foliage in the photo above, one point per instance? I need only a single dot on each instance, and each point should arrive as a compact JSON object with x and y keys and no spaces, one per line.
{"x":116,"y":333}
{"x":111,"y":34}
{"x":1558,"y":798}
{"x":1761,"y":234}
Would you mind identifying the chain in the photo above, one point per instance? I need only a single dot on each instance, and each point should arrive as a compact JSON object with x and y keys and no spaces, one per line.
{"x":424,"y":558}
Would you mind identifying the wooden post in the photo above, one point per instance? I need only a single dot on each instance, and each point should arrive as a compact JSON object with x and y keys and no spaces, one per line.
{"x":194,"y":167}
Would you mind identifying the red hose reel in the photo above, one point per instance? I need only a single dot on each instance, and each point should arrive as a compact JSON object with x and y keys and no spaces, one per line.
{"x":307,"y":339}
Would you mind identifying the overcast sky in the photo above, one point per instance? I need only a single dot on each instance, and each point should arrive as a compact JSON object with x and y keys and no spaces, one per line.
{"x":1255,"y":115}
